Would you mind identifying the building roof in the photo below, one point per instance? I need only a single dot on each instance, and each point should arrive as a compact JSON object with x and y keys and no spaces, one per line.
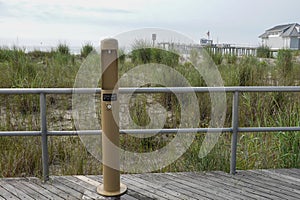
{"x":285,"y":30}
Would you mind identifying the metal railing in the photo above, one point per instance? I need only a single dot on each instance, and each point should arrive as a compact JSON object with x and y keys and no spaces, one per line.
{"x":234,"y":129}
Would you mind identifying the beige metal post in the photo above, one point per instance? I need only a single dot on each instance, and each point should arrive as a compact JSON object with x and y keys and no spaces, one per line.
{"x":110,"y":123}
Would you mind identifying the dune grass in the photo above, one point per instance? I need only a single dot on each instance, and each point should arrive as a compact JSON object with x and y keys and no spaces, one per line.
{"x":21,"y":156}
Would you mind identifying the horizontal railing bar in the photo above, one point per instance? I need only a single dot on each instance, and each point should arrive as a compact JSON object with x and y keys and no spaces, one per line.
{"x":210,"y":89}
{"x":37,"y":90}
{"x":70,"y":133}
{"x":127,"y":131}
{"x":20,"y":133}
{"x":150,"y":90}
{"x":268,"y":129}
{"x":143,"y":131}
{"x":150,"y":131}
{"x":182,"y":130}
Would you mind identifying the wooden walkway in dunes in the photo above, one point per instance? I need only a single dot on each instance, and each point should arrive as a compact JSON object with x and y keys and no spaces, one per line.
{"x":252,"y":184}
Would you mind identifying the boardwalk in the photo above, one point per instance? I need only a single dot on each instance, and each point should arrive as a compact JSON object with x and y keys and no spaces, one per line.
{"x":252,"y":184}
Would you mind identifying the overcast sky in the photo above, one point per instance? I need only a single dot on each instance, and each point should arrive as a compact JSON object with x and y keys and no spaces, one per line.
{"x":34,"y":22}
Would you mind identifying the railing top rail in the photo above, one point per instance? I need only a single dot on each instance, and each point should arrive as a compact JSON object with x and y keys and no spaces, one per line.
{"x":151,"y":90}
{"x":212,"y":89}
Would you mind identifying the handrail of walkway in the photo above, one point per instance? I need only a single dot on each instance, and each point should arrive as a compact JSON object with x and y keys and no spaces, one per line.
{"x":235,"y":129}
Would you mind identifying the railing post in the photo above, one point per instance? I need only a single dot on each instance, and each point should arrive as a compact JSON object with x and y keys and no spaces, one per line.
{"x":45,"y":156}
{"x":235,"y":127}
{"x":110,"y":121}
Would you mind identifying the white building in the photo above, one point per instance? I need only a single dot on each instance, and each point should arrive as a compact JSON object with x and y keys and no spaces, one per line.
{"x":282,"y":37}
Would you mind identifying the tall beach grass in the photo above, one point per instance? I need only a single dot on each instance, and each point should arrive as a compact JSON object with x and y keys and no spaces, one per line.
{"x":21,"y":156}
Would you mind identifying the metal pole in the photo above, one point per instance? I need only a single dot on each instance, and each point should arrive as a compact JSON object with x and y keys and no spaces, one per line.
{"x":45,"y":155}
{"x":235,"y":126}
{"x":110,"y":123}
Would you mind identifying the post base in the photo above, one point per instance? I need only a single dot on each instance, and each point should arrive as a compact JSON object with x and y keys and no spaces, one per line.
{"x":101,"y":191}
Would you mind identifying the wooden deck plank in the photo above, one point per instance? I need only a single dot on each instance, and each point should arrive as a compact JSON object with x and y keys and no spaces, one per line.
{"x":19,"y":184}
{"x":85,"y":193}
{"x":217,"y":191}
{"x":250,"y":184}
{"x":47,"y":193}
{"x":90,"y":181}
{"x":15,"y":191}
{"x":71,"y":192}
{"x":193,"y":189}
{"x":295,"y":171}
{"x":283,"y":175}
{"x":190,"y":191}
{"x":130,"y":194}
{"x":225,"y":188}
{"x":283,"y":192}
{"x":141,"y":189}
{"x":89,"y":190}
{"x":220,"y":188}
{"x":285,"y":187}
{"x":49,"y":186}
{"x":158,"y":188}
{"x":243,"y":182}
{"x":260,"y":186}
{"x":289,"y":172}
{"x":166,"y":184}
{"x":277,"y":177}
{"x":233,"y":186}
{"x":7,"y":194}
{"x":217,"y":182}
{"x":236,"y":186}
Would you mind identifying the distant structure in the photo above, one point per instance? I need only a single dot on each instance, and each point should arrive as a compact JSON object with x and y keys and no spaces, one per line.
{"x":206,"y":42}
{"x":282,"y":37}
{"x":209,"y":45}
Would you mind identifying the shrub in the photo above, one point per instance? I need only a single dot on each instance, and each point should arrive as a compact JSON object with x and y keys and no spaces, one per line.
{"x":264,"y":52}
{"x":143,"y":52}
{"x":5,"y":54}
{"x":217,"y":58}
{"x":230,"y":59}
{"x":122,"y":56}
{"x":86,"y":50}
{"x":63,"y":49}
{"x":154,"y":55}
{"x":250,"y":73}
{"x":284,"y":62}
{"x":39,"y":54}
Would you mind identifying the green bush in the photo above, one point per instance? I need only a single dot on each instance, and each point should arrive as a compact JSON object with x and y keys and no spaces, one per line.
{"x":285,"y":63}
{"x":264,"y":52}
{"x":36,"y":54}
{"x":143,"y":52}
{"x":121,"y":56}
{"x":230,"y":59}
{"x":217,"y":58}
{"x":14,"y":54}
{"x":86,"y":50}
{"x":246,"y":72}
{"x":5,"y":54}
{"x":63,"y":49}
{"x":154,"y":55}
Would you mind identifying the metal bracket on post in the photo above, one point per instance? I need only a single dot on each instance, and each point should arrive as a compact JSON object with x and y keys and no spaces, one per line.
{"x":110,"y":123}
